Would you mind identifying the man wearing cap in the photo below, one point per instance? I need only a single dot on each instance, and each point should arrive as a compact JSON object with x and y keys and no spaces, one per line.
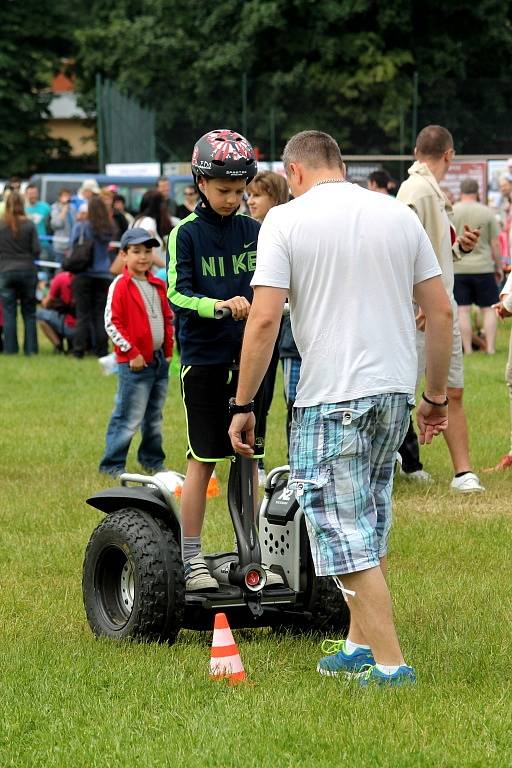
{"x":139,"y":322}
{"x":479,"y":273}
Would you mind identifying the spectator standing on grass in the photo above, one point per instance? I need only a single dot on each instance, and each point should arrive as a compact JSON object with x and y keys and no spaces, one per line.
{"x":267,"y":190}
{"x":19,"y":248}
{"x":378,"y":181}
{"x":190,"y":200}
{"x":163,"y":186}
{"x":119,"y":204}
{"x":354,"y":327}
{"x":503,"y":309}
{"x":139,"y":322}
{"x":56,"y":317}
{"x":62,"y":219}
{"x":434,"y":152}
{"x":153,"y":216}
{"x":90,"y":288}
{"x":479,"y":273}
{"x":38,"y":212}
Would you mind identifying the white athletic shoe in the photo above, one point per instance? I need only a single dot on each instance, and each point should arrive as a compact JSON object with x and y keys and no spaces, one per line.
{"x":468,"y":483}
{"x":197,"y":575}
{"x":419,"y":476}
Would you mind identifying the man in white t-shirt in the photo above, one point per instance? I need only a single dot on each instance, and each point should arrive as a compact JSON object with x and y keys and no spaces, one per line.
{"x":350,"y":262}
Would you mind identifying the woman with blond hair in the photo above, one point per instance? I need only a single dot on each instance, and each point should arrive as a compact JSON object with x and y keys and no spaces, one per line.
{"x":19,"y":248}
{"x":267,"y":190}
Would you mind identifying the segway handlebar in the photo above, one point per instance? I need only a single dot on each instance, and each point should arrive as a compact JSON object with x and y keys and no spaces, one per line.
{"x":220,"y":314}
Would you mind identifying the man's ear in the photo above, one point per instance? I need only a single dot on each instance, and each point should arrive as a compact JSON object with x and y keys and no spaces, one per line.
{"x":415,"y":153}
{"x":296,"y":172}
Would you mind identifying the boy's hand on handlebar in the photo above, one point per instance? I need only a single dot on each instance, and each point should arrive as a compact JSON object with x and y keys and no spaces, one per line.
{"x":242,"y":422}
{"x":238,"y":305}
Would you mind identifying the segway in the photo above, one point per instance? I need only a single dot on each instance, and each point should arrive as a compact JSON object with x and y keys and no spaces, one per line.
{"x":133,"y":582}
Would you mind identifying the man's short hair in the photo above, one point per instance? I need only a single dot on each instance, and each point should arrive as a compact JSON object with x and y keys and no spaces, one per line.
{"x":469,"y":186}
{"x":32,"y":186}
{"x":380,"y":178}
{"x":434,"y":141}
{"x":314,"y":149}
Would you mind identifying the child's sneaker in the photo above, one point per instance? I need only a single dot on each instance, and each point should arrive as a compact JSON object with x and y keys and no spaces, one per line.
{"x":273,"y":579}
{"x":404,"y":675}
{"x":197,"y":575}
{"x":338,"y":662}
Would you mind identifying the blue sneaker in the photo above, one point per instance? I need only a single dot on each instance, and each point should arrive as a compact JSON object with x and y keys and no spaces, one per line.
{"x":403,"y":676}
{"x":338,"y":662}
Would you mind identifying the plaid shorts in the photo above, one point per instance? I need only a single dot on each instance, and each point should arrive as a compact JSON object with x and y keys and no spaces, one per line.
{"x":342,"y":458}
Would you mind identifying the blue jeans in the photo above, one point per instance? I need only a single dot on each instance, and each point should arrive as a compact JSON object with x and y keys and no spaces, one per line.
{"x":139,"y":402}
{"x":19,"y":285}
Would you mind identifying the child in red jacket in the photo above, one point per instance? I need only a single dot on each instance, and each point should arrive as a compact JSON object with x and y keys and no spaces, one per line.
{"x":139,"y":322}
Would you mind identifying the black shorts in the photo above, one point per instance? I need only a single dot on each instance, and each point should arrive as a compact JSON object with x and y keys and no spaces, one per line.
{"x":206,"y":390}
{"x":481,"y":290}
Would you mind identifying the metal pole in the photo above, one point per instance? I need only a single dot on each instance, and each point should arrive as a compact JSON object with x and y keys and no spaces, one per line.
{"x":414,"y":109}
{"x":402,"y":142}
{"x":244,"y":104}
{"x":99,"y":126}
{"x":272,"y":137}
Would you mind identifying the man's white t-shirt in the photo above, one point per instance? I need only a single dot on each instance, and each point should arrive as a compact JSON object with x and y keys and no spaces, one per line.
{"x":349,"y":258}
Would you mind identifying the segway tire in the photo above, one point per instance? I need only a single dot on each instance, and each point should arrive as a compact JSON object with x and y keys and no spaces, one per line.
{"x":329,"y":611}
{"x":133,"y":584}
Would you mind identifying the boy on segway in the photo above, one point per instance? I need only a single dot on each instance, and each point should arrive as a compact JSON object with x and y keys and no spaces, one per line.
{"x":212,"y":257}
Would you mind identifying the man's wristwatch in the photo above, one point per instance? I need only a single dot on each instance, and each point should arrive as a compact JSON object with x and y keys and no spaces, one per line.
{"x":234,"y":408}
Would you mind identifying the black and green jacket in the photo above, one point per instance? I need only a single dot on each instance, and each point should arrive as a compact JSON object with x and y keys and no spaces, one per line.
{"x":211,"y":258}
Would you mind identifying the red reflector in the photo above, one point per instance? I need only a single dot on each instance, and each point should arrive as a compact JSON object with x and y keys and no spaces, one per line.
{"x":252,"y":579}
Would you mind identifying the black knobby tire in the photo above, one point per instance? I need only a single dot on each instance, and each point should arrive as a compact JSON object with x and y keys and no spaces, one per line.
{"x":329,"y":611}
{"x":133,"y":584}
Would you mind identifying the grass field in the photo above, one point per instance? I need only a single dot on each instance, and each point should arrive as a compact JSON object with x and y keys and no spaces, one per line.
{"x":70,"y":700}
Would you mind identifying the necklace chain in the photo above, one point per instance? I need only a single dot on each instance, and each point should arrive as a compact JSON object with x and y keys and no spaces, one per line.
{"x":150,"y":297}
{"x":329,"y":181}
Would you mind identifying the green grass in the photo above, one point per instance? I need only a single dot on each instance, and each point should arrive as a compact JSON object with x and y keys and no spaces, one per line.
{"x":70,"y":700}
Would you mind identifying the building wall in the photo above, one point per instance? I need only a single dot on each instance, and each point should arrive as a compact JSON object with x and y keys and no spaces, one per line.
{"x":80,"y":137}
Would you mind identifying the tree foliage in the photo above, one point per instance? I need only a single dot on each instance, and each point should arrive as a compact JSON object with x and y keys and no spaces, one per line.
{"x":345,"y":66}
{"x":34,"y":35}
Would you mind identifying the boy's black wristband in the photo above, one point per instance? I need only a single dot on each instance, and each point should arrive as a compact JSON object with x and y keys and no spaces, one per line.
{"x":431,"y":402}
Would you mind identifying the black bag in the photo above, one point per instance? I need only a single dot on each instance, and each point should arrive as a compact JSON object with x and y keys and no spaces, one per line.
{"x":80,"y":257}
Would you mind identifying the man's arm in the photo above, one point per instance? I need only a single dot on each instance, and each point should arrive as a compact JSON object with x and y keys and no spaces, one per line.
{"x":259,"y":339}
{"x":434,"y":301}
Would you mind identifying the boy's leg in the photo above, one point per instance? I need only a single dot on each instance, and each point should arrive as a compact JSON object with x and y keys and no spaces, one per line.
{"x":130,"y":406}
{"x":193,"y":496}
{"x":192,"y":510}
{"x":150,"y":453}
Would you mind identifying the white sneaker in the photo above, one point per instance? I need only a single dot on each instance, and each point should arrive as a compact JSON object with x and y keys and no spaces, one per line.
{"x":273,"y":579}
{"x":419,"y":476}
{"x":197,"y":575}
{"x":468,"y":483}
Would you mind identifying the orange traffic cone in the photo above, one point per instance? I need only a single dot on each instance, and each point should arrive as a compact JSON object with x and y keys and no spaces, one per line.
{"x":213,"y":489}
{"x":225,"y":662}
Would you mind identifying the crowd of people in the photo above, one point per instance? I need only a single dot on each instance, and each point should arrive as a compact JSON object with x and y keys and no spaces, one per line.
{"x":31,"y":231}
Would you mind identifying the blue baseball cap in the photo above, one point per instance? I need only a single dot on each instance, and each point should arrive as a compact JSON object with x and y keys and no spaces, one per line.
{"x":137,"y":236}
